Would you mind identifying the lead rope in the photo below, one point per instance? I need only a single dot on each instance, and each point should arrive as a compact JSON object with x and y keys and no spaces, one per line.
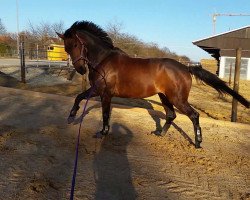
{"x":77,"y":147}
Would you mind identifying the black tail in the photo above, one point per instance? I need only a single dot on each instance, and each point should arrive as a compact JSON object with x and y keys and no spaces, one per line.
{"x":218,"y":84}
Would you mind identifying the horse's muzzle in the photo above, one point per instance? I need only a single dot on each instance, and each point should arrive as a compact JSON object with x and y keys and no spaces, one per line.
{"x":81,"y":70}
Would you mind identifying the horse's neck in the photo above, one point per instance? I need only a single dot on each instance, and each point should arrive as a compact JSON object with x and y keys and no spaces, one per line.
{"x":119,"y":51}
{"x":97,"y":54}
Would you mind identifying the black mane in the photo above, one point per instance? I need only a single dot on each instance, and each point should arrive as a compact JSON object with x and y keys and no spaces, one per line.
{"x":89,"y":27}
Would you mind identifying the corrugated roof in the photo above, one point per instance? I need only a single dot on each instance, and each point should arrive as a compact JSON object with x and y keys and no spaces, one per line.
{"x":221,"y":34}
{"x":220,"y":44}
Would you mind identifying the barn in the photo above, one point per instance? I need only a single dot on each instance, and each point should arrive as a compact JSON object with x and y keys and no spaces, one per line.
{"x":223,"y":48}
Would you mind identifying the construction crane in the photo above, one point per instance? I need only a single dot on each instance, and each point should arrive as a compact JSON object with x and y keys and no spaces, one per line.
{"x":224,"y":14}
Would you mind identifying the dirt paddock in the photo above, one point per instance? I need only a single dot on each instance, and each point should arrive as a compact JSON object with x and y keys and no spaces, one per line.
{"x":37,"y":148}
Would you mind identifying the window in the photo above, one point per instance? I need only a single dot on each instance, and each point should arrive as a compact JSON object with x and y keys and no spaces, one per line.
{"x":51,"y":48}
{"x":230,"y":63}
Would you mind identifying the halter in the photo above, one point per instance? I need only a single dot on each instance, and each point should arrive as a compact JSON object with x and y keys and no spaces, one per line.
{"x":83,"y":55}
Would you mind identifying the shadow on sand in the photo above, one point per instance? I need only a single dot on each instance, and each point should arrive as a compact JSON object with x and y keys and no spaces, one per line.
{"x":111,"y":166}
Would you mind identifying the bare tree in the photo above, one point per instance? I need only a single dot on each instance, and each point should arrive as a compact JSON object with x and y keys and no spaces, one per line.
{"x":114,"y":30}
{"x":40,"y":35}
{"x":2,"y":28}
{"x":45,"y":30}
{"x":135,"y":47}
{"x":57,"y":27}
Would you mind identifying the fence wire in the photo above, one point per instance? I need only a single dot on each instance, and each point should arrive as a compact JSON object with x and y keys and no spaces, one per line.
{"x":37,"y":63}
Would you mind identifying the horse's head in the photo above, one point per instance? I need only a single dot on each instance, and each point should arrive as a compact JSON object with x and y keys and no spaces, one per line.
{"x":76,"y":48}
{"x":85,"y":34}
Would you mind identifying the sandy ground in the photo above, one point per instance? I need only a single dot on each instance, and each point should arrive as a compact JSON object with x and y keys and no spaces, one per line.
{"x":37,"y":147}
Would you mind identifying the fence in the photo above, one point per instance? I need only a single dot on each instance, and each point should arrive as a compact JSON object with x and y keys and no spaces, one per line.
{"x":50,"y":58}
{"x":8,"y":53}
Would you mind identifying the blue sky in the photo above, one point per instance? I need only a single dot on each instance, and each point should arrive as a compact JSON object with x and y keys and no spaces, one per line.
{"x":169,"y":23}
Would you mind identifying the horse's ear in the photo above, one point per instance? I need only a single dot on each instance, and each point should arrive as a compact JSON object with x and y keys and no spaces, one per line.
{"x":60,"y":35}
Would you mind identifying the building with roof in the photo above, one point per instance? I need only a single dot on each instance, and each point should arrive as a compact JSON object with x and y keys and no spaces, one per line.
{"x":223,"y":48}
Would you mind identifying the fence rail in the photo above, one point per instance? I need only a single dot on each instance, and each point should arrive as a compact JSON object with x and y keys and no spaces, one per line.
{"x":50,"y":58}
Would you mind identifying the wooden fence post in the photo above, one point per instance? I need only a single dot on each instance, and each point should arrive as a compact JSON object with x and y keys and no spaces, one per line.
{"x":22,"y":62}
{"x":236,"y":83}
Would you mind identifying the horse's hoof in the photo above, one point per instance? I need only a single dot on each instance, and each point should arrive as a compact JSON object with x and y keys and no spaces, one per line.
{"x":98,"y":135}
{"x":197,"y":145}
{"x":104,"y":132}
{"x":158,"y":133}
{"x":71,"y":119}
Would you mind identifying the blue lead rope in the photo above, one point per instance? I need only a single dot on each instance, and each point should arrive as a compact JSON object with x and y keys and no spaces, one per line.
{"x":77,"y":148}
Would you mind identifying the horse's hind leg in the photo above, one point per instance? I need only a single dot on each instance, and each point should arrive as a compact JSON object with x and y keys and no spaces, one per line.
{"x":185,"y":108}
{"x":170,"y":113}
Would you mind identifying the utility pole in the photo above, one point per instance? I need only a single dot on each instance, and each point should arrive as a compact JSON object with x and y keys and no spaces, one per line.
{"x":17,"y":24}
{"x":225,"y":14}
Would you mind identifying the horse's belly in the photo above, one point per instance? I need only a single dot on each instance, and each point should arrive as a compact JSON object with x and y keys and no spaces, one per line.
{"x":135,"y":90}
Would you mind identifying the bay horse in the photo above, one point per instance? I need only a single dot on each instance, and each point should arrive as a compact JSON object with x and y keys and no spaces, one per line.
{"x":113,"y":73}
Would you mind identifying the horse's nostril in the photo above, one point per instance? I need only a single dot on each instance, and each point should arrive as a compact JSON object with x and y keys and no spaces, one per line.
{"x":81,"y":70}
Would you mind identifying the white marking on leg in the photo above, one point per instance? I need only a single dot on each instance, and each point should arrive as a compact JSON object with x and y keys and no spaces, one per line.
{"x":199,"y":137}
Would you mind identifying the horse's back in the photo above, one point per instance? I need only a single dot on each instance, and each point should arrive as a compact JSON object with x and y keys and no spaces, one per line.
{"x":139,"y":77}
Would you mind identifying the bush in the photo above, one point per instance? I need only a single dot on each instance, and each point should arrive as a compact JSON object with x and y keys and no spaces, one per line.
{"x":5,"y":49}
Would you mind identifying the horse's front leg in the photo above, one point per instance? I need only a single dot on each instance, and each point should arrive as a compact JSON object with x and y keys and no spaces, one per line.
{"x":106,"y":101}
{"x":84,"y":95}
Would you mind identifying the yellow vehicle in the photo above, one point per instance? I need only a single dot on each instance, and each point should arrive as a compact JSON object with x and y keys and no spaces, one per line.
{"x":56,"y":52}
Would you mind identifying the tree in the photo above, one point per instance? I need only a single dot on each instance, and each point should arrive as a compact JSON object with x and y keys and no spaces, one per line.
{"x":2,"y":28}
{"x":45,"y":31}
{"x":135,"y":47}
{"x":114,"y":30}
